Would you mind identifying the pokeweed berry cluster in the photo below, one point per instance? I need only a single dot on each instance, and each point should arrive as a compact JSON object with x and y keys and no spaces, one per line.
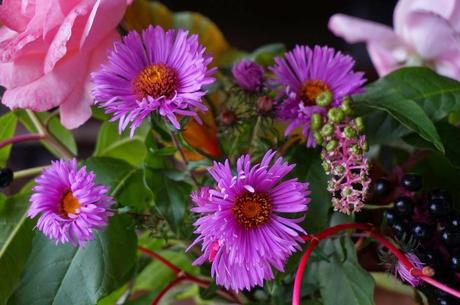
{"x":343,"y":156}
{"x":426,"y":223}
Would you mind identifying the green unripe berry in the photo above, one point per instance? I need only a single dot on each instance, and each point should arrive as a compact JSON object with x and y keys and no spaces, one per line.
{"x":339,"y":169}
{"x":327,"y":130}
{"x":336,"y":115}
{"x":324,"y":99}
{"x":318,"y":137}
{"x":356,"y":149}
{"x":349,"y":132}
{"x":365,"y":146}
{"x":326,"y":166}
{"x":316,"y":121}
{"x":346,"y":105}
{"x":331,"y":145}
{"x":347,"y":191}
{"x":359,"y":124}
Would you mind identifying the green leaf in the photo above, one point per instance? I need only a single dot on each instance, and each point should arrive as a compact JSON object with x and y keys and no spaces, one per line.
{"x":111,"y":144}
{"x":15,"y":241}
{"x":62,"y":275}
{"x":8,"y":127}
{"x":412,"y":96}
{"x":309,"y":169}
{"x":125,"y":181}
{"x":342,"y":280}
{"x":265,"y":55}
{"x":450,"y":136}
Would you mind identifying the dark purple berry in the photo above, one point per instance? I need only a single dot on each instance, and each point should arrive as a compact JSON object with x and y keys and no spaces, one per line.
{"x":430,"y":257}
{"x":438,"y":208}
{"x":399,"y":229}
{"x":450,"y":238}
{"x":444,"y":300}
{"x":422,"y":231}
{"x":404,"y":206}
{"x":6,"y":177}
{"x":382,"y":187}
{"x":454,"y":223}
{"x":390,"y":216}
{"x":455,"y":262}
{"x":411,"y":182}
{"x":439,"y":194}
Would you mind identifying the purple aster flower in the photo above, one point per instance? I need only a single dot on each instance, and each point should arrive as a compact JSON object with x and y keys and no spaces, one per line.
{"x":405,"y":274}
{"x":71,"y":204}
{"x":162,"y":72}
{"x":241,"y":227}
{"x":248,"y":75}
{"x":314,"y":80}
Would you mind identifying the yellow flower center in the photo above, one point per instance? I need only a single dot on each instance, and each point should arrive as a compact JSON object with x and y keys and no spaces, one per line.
{"x":252,"y":209}
{"x":156,"y":80}
{"x":69,"y":204}
{"x":310,"y":89}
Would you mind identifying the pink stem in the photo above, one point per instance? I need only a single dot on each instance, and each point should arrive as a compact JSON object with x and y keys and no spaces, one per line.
{"x":162,"y":293}
{"x":369,"y":230}
{"x":21,"y":138}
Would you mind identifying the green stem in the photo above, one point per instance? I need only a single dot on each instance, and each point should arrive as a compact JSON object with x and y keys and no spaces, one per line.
{"x":255,"y":132}
{"x":49,"y":138}
{"x":184,"y":158}
{"x":378,"y":207}
{"x":29,"y":172}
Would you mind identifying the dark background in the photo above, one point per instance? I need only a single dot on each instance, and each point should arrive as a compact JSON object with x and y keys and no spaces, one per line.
{"x":248,"y":25}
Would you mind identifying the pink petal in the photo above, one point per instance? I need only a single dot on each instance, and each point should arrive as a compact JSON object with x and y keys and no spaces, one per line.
{"x":14,"y":15}
{"x":21,"y":71}
{"x":431,"y":35}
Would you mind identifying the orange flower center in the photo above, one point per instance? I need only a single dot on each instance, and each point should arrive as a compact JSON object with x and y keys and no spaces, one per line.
{"x":252,"y":209}
{"x":69,"y":204}
{"x":310,"y":89}
{"x":156,"y":80}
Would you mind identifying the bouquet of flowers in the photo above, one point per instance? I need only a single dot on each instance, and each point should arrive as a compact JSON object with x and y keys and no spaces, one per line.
{"x":223,"y":176}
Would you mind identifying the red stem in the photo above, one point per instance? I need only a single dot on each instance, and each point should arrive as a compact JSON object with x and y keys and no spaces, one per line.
{"x":315,"y":239}
{"x":184,"y":276}
{"x":21,"y":138}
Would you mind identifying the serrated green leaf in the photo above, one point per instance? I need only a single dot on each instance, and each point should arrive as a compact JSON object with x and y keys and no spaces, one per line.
{"x":8,"y":127}
{"x":414,"y":97}
{"x":15,"y":241}
{"x":111,"y":144}
{"x":62,"y":275}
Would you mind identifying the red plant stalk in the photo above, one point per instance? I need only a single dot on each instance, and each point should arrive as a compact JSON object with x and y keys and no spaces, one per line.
{"x":21,"y":138}
{"x":184,"y":276}
{"x":368,"y":229}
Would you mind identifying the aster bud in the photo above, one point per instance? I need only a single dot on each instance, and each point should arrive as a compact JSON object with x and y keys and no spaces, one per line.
{"x":324,"y":99}
{"x":345,"y":106}
{"x":264,"y":105}
{"x":331,"y":145}
{"x":248,"y":75}
{"x":228,"y":117}
{"x":349,"y":132}
{"x":359,"y":124}
{"x":327,"y":130}
{"x":336,"y":115}
{"x":316,"y":121}
{"x":6,"y":177}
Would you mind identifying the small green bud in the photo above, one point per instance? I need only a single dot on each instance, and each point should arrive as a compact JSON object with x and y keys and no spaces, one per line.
{"x":327,"y":130}
{"x":326,"y":166}
{"x":347,"y":191}
{"x":349,"y":132}
{"x":356,"y":149}
{"x":324,"y":99}
{"x":331,"y":145}
{"x":365,"y":146}
{"x":339,"y":169}
{"x":316,"y":121}
{"x":346,"y":105}
{"x":336,"y":115}
{"x":359,"y":124}
{"x":318,"y":137}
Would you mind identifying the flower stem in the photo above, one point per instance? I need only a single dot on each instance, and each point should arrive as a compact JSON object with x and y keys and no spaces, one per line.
{"x":21,"y":138}
{"x":49,"y":138}
{"x":29,"y":172}
{"x":184,"y":158}
{"x":184,"y":276}
{"x":255,"y":132}
{"x":369,"y":230}
{"x":378,"y":207}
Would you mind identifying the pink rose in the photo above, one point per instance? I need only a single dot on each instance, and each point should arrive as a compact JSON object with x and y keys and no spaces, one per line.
{"x":426,"y":32}
{"x":48,"y":48}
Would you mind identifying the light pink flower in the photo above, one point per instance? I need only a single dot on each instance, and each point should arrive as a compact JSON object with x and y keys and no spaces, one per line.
{"x":426,"y":32}
{"x":48,"y":49}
